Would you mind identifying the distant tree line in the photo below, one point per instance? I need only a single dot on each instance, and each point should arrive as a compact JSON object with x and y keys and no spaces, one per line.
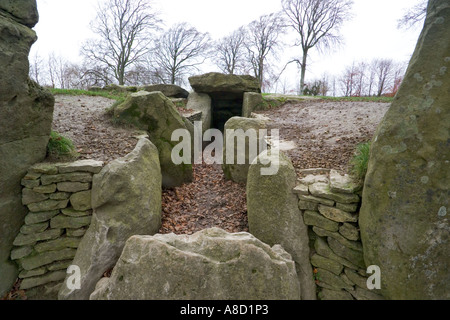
{"x":132,"y":48}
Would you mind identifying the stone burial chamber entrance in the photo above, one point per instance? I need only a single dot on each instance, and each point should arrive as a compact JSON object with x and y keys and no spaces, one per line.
{"x":226,"y":96}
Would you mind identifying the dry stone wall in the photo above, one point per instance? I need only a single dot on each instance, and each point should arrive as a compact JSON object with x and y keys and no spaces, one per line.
{"x":58,"y":199}
{"x":330,"y":204}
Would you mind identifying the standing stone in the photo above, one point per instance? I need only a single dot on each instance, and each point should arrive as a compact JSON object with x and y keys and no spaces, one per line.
{"x":274,"y":216}
{"x":126,"y":198}
{"x":157,"y":114}
{"x":404,"y":222}
{"x":250,"y":138}
{"x":26,"y":112}
{"x":211,"y":264}
{"x":201,"y":102}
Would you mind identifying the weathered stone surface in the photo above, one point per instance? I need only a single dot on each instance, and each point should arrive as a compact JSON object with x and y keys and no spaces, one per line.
{"x":354,"y":256}
{"x":313,"y":218}
{"x":71,"y":212}
{"x":66,"y":177}
{"x":354,"y":245}
{"x":356,"y":278}
{"x":81,"y":201}
{"x":362,"y":294}
{"x":328,"y":278}
{"x":44,"y":168}
{"x":306,"y":205}
{"x":32,"y":273}
{"x":26,"y":112}
{"x":60,"y":196}
{"x":76,"y":232}
{"x":313,"y":199}
{"x":38,"y":217}
{"x":237,"y":160}
{"x":57,"y":244}
{"x":62,"y":222}
{"x":73,"y":186}
{"x":252,"y":102}
{"x":322,"y":248}
{"x":21,"y":252}
{"x":337,"y":215}
{"x":329,"y":294}
{"x":224,"y":83}
{"x":30,"y":183}
{"x":59,"y":265}
{"x":23,"y":11}
{"x":211,"y":264}
{"x":45,"y":189}
{"x":407,"y":183}
{"x":157,"y":114}
{"x":48,"y":205}
{"x":92,"y":166}
{"x":349,"y":231}
{"x":29,"y":283}
{"x":201,"y":102}
{"x":274,"y":217}
{"x":349,"y":207}
{"x":34,"y":228}
{"x":126,"y":197}
{"x":311,"y":179}
{"x":29,"y":239}
{"x":169,"y":90}
{"x":327,"y":264}
{"x":45,"y":258}
{"x":29,"y":196}
{"x":343,"y":184}
{"x":322,"y":190}
{"x":301,"y":189}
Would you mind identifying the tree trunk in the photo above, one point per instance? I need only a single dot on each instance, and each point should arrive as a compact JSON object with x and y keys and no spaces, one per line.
{"x":303,"y":72}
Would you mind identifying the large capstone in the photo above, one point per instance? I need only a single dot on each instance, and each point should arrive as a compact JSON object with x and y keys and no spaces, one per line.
{"x":274,"y":216}
{"x":169,"y":90}
{"x":227,"y":94}
{"x":26,"y":113}
{"x":126,"y":198}
{"x":209,"y":265}
{"x":155,"y":113}
{"x":404,"y":217}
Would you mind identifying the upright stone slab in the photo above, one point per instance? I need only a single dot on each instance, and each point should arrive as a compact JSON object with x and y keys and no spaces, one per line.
{"x":404,"y":218}
{"x":211,"y":264}
{"x":201,"y":102}
{"x":241,"y":147}
{"x":26,"y":112}
{"x":274,"y":216}
{"x":157,"y":114}
{"x":126,"y":197}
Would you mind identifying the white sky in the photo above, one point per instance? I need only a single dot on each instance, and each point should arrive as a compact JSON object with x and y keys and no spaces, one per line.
{"x":372,"y":33}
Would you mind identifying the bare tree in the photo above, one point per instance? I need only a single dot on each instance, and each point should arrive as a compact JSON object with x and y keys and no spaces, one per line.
{"x":263,"y":39}
{"x":124,"y":28}
{"x":230,"y":52}
{"x":179,"y":51}
{"x":317,"y":23}
{"x":348,"y":80}
{"x":414,"y":15}
{"x":36,"y":65}
{"x":384,"y":74}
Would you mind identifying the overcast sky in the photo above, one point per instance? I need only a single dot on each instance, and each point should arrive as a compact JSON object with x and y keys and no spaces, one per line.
{"x":372,"y":33}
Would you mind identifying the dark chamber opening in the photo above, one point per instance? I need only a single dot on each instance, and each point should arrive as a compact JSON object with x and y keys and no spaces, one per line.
{"x":224,"y":107}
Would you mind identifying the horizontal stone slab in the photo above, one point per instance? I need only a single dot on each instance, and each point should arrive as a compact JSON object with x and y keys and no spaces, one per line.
{"x":349,"y":207}
{"x":71,"y":212}
{"x":38,"y":217}
{"x":327,"y":277}
{"x":60,"y":196}
{"x":42,"y":259}
{"x":29,"y":283}
{"x":349,"y":231}
{"x":57,"y":244}
{"x":307,"y":205}
{"x":66,"y":177}
{"x":321,"y":246}
{"x":30,"y":239}
{"x":32,"y":273}
{"x":51,"y":188}
{"x":362,"y":294}
{"x":354,"y":256}
{"x":34,"y":228}
{"x":337,"y":215}
{"x":29,"y":196}
{"x":322,"y":190}
{"x":91,"y":166}
{"x":343,"y":184}
{"x":313,"y":218}
{"x":301,"y":189}
{"x":30,"y":183}
{"x":81,"y":201}
{"x":334,"y":295}
{"x":317,"y":200}
{"x":44,"y":168}
{"x":60,"y":265}
{"x":76,"y":232}
{"x":327,"y":264}
{"x":21,"y":252}
{"x":73,"y":186}
{"x":63,"y":221}
{"x":311,"y":179}
{"x":48,"y":205}
{"x":354,"y":245}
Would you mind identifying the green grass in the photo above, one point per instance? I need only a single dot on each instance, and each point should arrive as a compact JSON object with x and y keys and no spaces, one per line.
{"x":360,"y":161}
{"x":60,"y":147}
{"x":76,"y":92}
